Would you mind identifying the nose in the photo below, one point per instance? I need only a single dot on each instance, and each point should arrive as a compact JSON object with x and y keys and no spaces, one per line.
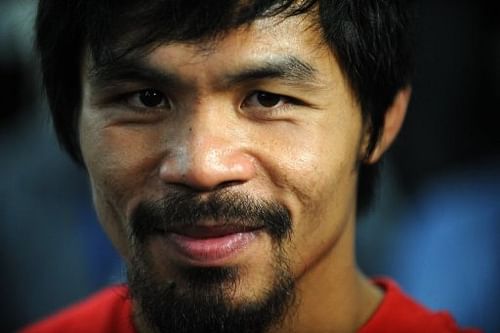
{"x":208,"y":155}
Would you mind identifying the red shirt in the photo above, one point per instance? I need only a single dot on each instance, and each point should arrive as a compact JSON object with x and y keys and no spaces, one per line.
{"x":111,"y":311}
{"x":400,"y":314}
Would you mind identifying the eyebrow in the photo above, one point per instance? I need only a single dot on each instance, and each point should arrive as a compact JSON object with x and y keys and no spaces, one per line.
{"x":289,"y":69}
{"x":129,"y":70}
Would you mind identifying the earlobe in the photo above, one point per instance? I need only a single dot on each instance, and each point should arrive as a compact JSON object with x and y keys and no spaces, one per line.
{"x":392,"y":124}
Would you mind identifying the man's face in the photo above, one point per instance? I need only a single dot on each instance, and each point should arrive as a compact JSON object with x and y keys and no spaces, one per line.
{"x":227,"y":166}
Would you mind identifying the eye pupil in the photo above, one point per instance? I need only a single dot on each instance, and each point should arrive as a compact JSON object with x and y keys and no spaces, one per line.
{"x":151,"y":98}
{"x":268,"y":100}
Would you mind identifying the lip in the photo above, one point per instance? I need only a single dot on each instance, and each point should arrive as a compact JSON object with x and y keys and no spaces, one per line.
{"x":209,"y":246}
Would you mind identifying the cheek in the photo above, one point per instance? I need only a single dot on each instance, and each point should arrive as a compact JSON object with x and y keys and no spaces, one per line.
{"x":321,"y":182}
{"x":120,"y":162}
{"x":119,"y":166}
{"x":317,"y":163}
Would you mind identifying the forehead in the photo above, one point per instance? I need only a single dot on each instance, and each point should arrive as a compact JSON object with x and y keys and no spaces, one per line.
{"x":271,"y":35}
{"x":294,"y":41}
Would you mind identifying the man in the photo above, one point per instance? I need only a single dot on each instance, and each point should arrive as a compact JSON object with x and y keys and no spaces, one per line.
{"x":230,"y":146}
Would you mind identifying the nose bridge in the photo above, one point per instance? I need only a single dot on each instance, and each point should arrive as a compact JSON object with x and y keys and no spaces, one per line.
{"x":208,"y":137}
{"x":208,"y":122}
{"x":207,"y":143}
{"x":208,"y":152}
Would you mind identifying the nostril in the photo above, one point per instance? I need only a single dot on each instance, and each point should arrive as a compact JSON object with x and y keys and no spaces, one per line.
{"x":229,"y":184}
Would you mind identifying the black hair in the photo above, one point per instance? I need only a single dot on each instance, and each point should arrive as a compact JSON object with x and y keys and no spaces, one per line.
{"x":372,"y":40}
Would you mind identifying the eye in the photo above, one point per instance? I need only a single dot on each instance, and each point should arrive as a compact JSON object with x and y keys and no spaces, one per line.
{"x":265,"y":99}
{"x":148,"y":98}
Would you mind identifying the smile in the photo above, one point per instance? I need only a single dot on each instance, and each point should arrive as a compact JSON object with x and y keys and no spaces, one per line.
{"x":208,"y":245}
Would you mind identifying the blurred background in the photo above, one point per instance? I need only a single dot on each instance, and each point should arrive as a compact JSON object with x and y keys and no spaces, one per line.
{"x":435,"y":227}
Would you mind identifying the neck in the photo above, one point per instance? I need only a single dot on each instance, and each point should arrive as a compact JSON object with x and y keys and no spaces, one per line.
{"x":333,"y":296}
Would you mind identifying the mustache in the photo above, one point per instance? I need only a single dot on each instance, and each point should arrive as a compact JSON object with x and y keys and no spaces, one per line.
{"x":182,"y":209}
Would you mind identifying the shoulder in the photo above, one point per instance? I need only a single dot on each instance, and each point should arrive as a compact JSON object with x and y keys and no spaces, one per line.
{"x":106,"y":311}
{"x":398,"y":313}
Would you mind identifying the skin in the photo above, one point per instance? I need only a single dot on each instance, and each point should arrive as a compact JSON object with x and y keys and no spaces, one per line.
{"x":301,"y":153}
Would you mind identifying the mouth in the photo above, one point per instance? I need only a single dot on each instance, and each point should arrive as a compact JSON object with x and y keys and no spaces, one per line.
{"x":206,"y":245}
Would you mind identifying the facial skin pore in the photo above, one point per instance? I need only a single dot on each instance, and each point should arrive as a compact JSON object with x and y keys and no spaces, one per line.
{"x":210,"y":130}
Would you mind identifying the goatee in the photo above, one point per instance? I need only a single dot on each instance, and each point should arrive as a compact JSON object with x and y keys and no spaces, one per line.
{"x":200,"y":299}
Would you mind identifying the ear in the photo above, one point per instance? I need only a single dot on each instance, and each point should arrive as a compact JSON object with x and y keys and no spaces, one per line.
{"x":392,"y":124}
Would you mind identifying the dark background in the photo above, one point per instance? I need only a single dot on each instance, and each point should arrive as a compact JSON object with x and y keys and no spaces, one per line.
{"x":436,"y":226}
